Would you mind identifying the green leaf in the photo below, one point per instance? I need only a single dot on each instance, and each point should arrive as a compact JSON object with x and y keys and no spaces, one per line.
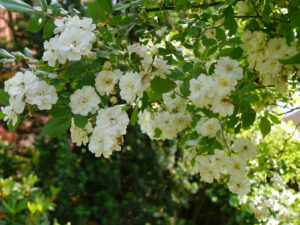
{"x":250,"y":98}
{"x":43,"y":4}
{"x":209,"y":42}
{"x":274,"y":119}
{"x":56,"y":127}
{"x":4,"y":97}
{"x":134,"y":116}
{"x":295,"y":59}
{"x":120,"y":20}
{"x":5,"y":54}
{"x":295,"y":19}
{"x":237,"y":128}
{"x":162,"y":85}
{"x":177,"y":75}
{"x":55,"y":8}
{"x":229,"y":21}
{"x":104,"y":54}
{"x":265,"y":126}
{"x":248,"y":118}
{"x":247,"y":87}
{"x":80,"y":121}
{"x":16,"y":6}
{"x":49,"y":28}
{"x":185,"y":88}
{"x":107,"y":36}
{"x":220,"y":34}
{"x":36,"y":22}
{"x":95,"y":11}
{"x":212,"y":50}
{"x":157,"y":133}
{"x":106,"y":5}
{"x":28,"y":52}
{"x":294,"y":3}
{"x":19,"y":55}
{"x":60,"y":110}
{"x":267,"y":12}
{"x":234,"y":41}
{"x":88,"y":80}
{"x":152,"y":95}
{"x":75,"y":69}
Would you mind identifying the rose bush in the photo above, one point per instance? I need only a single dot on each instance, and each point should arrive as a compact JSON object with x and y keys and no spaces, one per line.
{"x":200,"y":72}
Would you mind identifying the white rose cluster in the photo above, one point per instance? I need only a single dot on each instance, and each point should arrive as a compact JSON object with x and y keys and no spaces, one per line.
{"x":213,"y":167}
{"x":213,"y":92}
{"x":27,"y":88}
{"x":107,"y":136}
{"x":80,"y":136}
{"x":170,"y":122}
{"x":74,"y":38}
{"x":263,"y":54}
{"x":150,"y":61}
{"x":274,"y":207}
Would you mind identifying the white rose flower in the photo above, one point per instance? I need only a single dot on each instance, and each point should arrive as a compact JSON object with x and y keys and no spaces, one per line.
{"x":130,"y":85}
{"x":245,"y":148}
{"x":44,"y":96}
{"x":239,"y":184}
{"x":236,"y":166}
{"x":208,"y":127}
{"x":227,"y":66}
{"x":79,"y":136}
{"x":84,"y":101}
{"x":106,"y":81}
{"x":10,"y":114}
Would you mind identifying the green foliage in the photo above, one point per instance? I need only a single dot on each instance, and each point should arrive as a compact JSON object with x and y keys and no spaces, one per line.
{"x":56,"y":126}
{"x":295,"y":59}
{"x":36,"y":22}
{"x":24,"y":203}
{"x":80,"y":121}
{"x":161,"y":85}
{"x":43,"y":4}
{"x":17,"y":6}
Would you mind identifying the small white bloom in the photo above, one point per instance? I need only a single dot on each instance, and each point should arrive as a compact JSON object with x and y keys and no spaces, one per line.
{"x":236,"y":166}
{"x":130,"y":85}
{"x":84,"y":101}
{"x":44,"y":96}
{"x":239,"y":184}
{"x":208,"y":127}
{"x":79,"y":136}
{"x":106,"y":81}
{"x":10,"y":114}
{"x":227,"y":66}
{"x":245,"y":148}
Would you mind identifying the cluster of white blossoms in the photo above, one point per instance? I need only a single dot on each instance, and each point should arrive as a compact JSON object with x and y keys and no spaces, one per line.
{"x":213,"y":167}
{"x":273,"y":207}
{"x":74,"y":38}
{"x":213,"y":92}
{"x":80,"y":136}
{"x":27,"y":88}
{"x":107,"y":136}
{"x":263,"y":54}
{"x":151,"y":62}
{"x":170,"y":122}
{"x":111,"y":123}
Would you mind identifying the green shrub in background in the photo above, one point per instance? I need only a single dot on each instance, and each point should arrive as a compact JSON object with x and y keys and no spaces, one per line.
{"x":23,"y":202}
{"x":146,"y":184}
